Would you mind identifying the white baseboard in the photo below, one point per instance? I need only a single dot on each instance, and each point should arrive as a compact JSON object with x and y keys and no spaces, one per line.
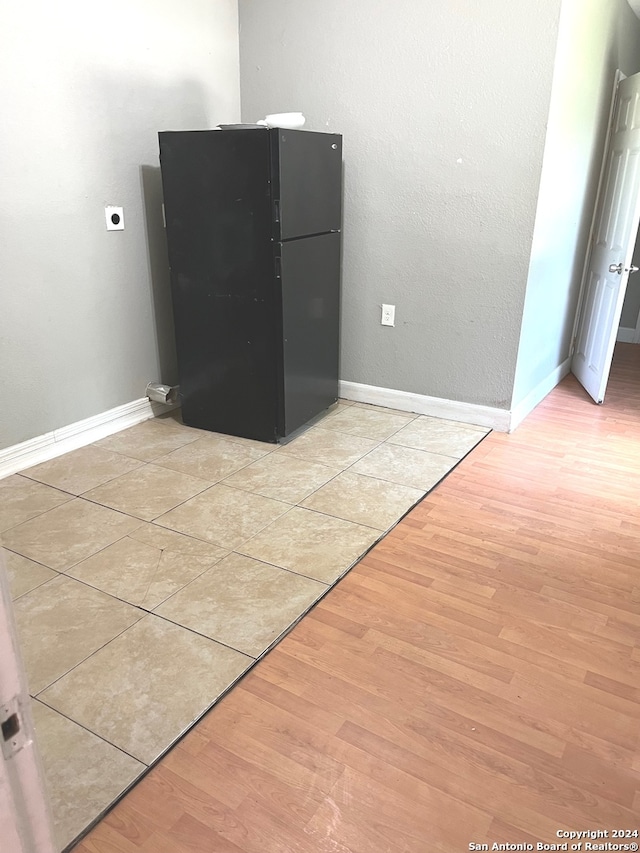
{"x":437,"y":407}
{"x":52,"y":444}
{"x":538,"y":394}
{"x":626,"y":335}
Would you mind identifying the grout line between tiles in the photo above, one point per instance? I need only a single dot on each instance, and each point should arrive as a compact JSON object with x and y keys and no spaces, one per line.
{"x":119,"y":634}
{"x":38,"y":514}
{"x":25,"y":476}
{"x":37,"y":586}
{"x":254,"y":658}
{"x":248,"y":557}
{"x":221,"y":481}
{"x":342,"y":471}
{"x":91,"y":732}
{"x":369,"y":438}
{"x":339,"y":517}
{"x":37,"y":562}
{"x":129,"y":514}
{"x":410,"y":416}
{"x":34,"y":588}
{"x":97,"y":486}
{"x":83,"y":496}
{"x":101,"y":549}
{"x":328,"y":584}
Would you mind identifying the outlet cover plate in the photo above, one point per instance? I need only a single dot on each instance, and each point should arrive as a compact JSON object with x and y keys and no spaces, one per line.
{"x":388,"y":317}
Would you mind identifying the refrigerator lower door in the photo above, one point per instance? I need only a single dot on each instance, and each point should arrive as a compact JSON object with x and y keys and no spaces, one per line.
{"x":227,"y":362}
{"x":310,"y":327}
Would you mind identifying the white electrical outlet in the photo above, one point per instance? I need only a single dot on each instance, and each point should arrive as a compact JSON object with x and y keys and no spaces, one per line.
{"x":114,"y":217}
{"x":388,"y":315}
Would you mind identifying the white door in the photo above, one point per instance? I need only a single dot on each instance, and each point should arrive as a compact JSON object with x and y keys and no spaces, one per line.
{"x":615,"y":229}
{"x":25,"y":825}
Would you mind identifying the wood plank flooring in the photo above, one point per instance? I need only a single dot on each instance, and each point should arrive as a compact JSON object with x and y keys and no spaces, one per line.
{"x":475,"y":679}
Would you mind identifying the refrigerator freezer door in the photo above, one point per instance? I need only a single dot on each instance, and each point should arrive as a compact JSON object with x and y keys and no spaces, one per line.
{"x":307,"y":182}
{"x":218,"y":213}
{"x":310,"y":310}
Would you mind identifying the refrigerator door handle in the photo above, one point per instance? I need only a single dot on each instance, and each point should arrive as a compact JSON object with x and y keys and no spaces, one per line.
{"x":276,"y":210}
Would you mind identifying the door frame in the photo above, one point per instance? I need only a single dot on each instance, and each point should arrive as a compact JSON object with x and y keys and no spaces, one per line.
{"x":25,"y":822}
{"x":631,"y":336}
{"x":618,"y":78}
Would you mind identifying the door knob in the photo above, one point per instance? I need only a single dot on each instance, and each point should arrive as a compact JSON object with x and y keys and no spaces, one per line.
{"x":633,"y":269}
{"x":616,"y":268}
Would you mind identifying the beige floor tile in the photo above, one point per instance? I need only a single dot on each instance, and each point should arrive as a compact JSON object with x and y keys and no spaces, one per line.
{"x":242,"y":603}
{"x":69,"y":533}
{"x":223,"y":516}
{"x":282,"y":477}
{"x":64,"y":621}
{"x":24,"y":574}
{"x":175,"y":419}
{"x":82,"y":469}
{"x":178,"y":543}
{"x":148,"y":440}
{"x":329,"y":447}
{"x":265,"y":446}
{"x":83,"y":773}
{"x":211,"y":458}
{"x":367,"y":423}
{"x":22,"y":499}
{"x":364,"y":500}
{"x":438,"y":436}
{"x":405,"y":465}
{"x":146,"y":687}
{"x":340,"y":406}
{"x":148,"y":566}
{"x":374,"y":408}
{"x":147,"y":492}
{"x":311,"y":544}
{"x":171,"y":418}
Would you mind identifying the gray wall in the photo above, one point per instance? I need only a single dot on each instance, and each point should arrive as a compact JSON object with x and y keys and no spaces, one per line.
{"x":85,"y":320}
{"x":443,"y":106}
{"x":631,"y":306}
{"x":596,"y":38}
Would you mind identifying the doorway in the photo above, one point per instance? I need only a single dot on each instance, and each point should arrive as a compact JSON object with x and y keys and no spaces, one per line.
{"x":614,"y":233}
{"x":629,"y":329}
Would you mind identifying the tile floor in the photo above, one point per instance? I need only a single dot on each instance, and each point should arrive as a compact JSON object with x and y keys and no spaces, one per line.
{"x":150,"y":570}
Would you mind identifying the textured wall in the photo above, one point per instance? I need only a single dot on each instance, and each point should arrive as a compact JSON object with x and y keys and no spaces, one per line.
{"x":85,"y":320}
{"x":443,"y":107}
{"x":596,"y":38}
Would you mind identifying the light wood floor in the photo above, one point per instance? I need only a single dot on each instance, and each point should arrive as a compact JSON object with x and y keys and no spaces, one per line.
{"x":475,"y":679}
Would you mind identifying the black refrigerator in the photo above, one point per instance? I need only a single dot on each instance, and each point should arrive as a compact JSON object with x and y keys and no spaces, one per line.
{"x":253,"y":220}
